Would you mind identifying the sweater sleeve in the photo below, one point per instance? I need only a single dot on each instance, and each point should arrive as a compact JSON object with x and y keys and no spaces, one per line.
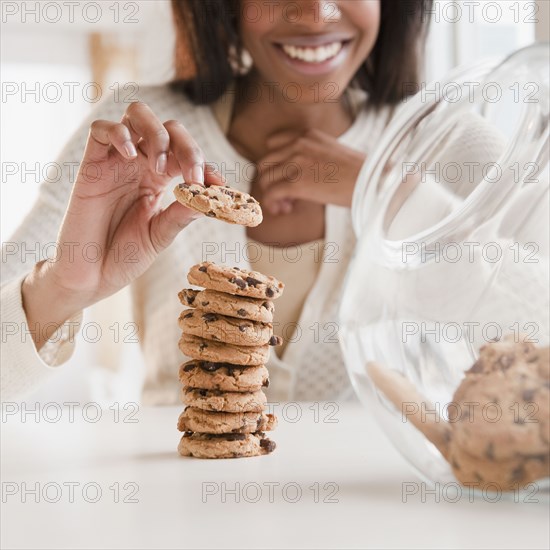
{"x":23,"y":368}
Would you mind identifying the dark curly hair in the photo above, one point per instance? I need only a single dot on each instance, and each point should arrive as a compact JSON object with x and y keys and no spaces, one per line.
{"x":207,"y":33}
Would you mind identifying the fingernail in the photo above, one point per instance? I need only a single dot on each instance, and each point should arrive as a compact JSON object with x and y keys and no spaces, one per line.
{"x":197,"y":174}
{"x":162,"y":161}
{"x":129,"y":149}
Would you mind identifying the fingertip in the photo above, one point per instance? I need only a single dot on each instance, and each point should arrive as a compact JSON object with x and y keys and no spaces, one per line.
{"x":130,"y":149}
{"x":197,"y":174}
{"x":161,"y":164}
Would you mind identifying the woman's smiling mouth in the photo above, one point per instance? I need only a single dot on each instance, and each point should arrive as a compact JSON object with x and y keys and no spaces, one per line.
{"x":314,"y":54}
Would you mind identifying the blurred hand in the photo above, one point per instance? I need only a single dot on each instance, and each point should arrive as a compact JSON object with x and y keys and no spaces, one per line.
{"x":312,"y":167}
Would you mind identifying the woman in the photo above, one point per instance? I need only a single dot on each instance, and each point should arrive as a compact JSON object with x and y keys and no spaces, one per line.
{"x":299,"y":90}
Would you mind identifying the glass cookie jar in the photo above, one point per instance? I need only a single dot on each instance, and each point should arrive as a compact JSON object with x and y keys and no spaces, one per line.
{"x":445,"y":311}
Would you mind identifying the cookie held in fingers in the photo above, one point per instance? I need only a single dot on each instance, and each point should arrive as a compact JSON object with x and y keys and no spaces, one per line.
{"x":213,"y":326}
{"x":234,"y":280}
{"x":213,"y":400}
{"x":241,"y":307}
{"x":223,"y":203}
{"x":198,"y":420}
{"x":223,"y":376}
{"x":218,"y":352}
{"x":224,"y":445}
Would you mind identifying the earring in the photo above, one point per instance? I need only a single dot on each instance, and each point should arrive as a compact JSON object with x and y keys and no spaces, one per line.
{"x":242,"y":64}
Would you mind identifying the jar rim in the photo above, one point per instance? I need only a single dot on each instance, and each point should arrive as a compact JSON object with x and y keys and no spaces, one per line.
{"x":407,"y":118}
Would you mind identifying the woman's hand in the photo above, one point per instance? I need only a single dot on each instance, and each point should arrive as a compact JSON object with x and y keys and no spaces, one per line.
{"x":114,"y":227}
{"x":312,"y":167}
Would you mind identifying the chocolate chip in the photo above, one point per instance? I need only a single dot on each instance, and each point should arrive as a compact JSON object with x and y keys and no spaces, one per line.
{"x":202,"y":268}
{"x":266,"y":383}
{"x":203,"y":346}
{"x":210,"y":317}
{"x":269,"y":292}
{"x":208,"y":366}
{"x":195,"y":192}
{"x":203,"y":393}
{"x":231,"y":369}
{"x":242,"y":328}
{"x":476,"y":367}
{"x":239,"y":282}
{"x":528,"y":395}
{"x":267,"y":306}
{"x":250,"y":200}
{"x":506,"y":361}
{"x":275,"y":341}
{"x":204,"y":304}
{"x":187,"y":315}
{"x":190,"y":299}
{"x":187,"y":434}
{"x":235,"y":437}
{"x":253,"y":282}
{"x":211,"y":214}
{"x":518,"y":473}
{"x":241,"y":313}
{"x":189,"y":368}
{"x":268,"y":445}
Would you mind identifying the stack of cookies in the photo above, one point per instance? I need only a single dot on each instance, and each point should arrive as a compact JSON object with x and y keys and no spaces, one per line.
{"x":227,"y":331}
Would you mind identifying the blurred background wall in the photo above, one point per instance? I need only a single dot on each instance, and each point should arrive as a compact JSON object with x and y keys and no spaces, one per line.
{"x":89,"y":49}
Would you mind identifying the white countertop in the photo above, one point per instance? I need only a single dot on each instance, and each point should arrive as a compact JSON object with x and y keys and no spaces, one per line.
{"x":347,"y":466}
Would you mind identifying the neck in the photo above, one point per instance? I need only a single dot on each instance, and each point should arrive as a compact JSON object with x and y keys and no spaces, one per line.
{"x":262,"y":109}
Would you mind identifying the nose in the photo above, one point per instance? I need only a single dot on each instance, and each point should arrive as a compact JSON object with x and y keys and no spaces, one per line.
{"x":313,"y":13}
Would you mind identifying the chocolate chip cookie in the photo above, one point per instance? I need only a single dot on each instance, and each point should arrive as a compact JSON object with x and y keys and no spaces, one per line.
{"x":234,"y":280}
{"x":213,"y":400}
{"x":218,"y":352}
{"x":213,"y":326}
{"x":224,"y":445}
{"x":210,"y":422}
{"x":498,"y":429}
{"x":503,"y":404}
{"x":223,"y":376}
{"x":223,"y":203}
{"x":240,"y":307}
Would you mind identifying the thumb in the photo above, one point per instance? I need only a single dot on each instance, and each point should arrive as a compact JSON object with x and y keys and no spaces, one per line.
{"x":166,"y":224}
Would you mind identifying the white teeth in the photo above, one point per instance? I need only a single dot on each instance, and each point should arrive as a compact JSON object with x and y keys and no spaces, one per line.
{"x":313,"y":55}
